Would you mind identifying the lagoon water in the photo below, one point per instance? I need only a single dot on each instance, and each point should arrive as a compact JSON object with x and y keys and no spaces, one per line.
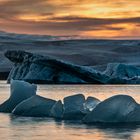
{"x":27,"y":128}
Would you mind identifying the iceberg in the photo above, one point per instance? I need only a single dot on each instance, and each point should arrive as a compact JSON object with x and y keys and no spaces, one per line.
{"x":42,"y":69}
{"x":122,"y":73}
{"x":57,"y":110}
{"x":35,"y":106}
{"x":116,"y":109}
{"x":73,"y":107}
{"x":20,"y":90}
{"x":90,"y":104}
{"x":39,"y":69}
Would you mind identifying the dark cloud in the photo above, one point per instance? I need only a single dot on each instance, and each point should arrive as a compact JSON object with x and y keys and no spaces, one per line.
{"x":74,"y":24}
{"x":12,"y":8}
{"x":97,"y":21}
{"x":71,"y":24}
{"x":82,"y":24}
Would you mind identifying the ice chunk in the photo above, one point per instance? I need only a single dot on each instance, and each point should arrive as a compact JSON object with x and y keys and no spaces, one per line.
{"x":20,"y":91}
{"x":113,"y":109}
{"x":121,"y":70}
{"x":73,"y":107}
{"x":36,"y":106}
{"x":90,"y":104}
{"x":57,"y":110}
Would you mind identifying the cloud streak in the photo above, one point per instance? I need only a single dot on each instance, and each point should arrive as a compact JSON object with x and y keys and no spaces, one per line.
{"x":75,"y":17}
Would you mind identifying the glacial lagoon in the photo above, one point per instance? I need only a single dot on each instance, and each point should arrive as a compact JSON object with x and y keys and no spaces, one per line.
{"x":28,"y":128}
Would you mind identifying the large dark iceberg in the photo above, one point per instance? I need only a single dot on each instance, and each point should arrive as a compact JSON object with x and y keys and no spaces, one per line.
{"x":35,"y":68}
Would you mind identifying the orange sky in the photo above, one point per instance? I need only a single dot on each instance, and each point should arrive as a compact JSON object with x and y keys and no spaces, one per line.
{"x":94,"y":18}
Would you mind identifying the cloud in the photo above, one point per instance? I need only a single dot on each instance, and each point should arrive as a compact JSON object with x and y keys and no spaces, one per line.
{"x":96,"y":8}
{"x":70,"y":17}
{"x":76,"y":24}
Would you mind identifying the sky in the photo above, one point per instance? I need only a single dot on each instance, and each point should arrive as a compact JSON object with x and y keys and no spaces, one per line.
{"x":90,"y":18}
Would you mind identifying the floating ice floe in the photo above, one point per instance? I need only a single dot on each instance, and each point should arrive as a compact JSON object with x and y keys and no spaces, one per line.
{"x":73,"y":107}
{"x":20,"y":90}
{"x":36,"y":106}
{"x":90,"y":104}
{"x":57,"y":110}
{"x":116,"y":109}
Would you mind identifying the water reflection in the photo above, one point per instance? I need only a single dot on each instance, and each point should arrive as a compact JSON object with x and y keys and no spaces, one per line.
{"x":117,"y":131}
{"x":61,"y":130}
{"x":28,"y":128}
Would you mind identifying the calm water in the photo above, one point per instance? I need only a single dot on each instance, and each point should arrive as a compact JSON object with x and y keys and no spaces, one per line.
{"x":26,"y":128}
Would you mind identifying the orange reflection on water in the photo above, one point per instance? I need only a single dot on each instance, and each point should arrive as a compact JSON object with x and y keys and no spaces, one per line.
{"x":26,"y":128}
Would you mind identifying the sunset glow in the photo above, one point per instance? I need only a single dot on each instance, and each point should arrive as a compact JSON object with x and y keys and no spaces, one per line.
{"x":91,"y":18}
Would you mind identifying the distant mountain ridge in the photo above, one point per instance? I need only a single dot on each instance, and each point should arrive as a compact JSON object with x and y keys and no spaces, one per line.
{"x":10,"y":36}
